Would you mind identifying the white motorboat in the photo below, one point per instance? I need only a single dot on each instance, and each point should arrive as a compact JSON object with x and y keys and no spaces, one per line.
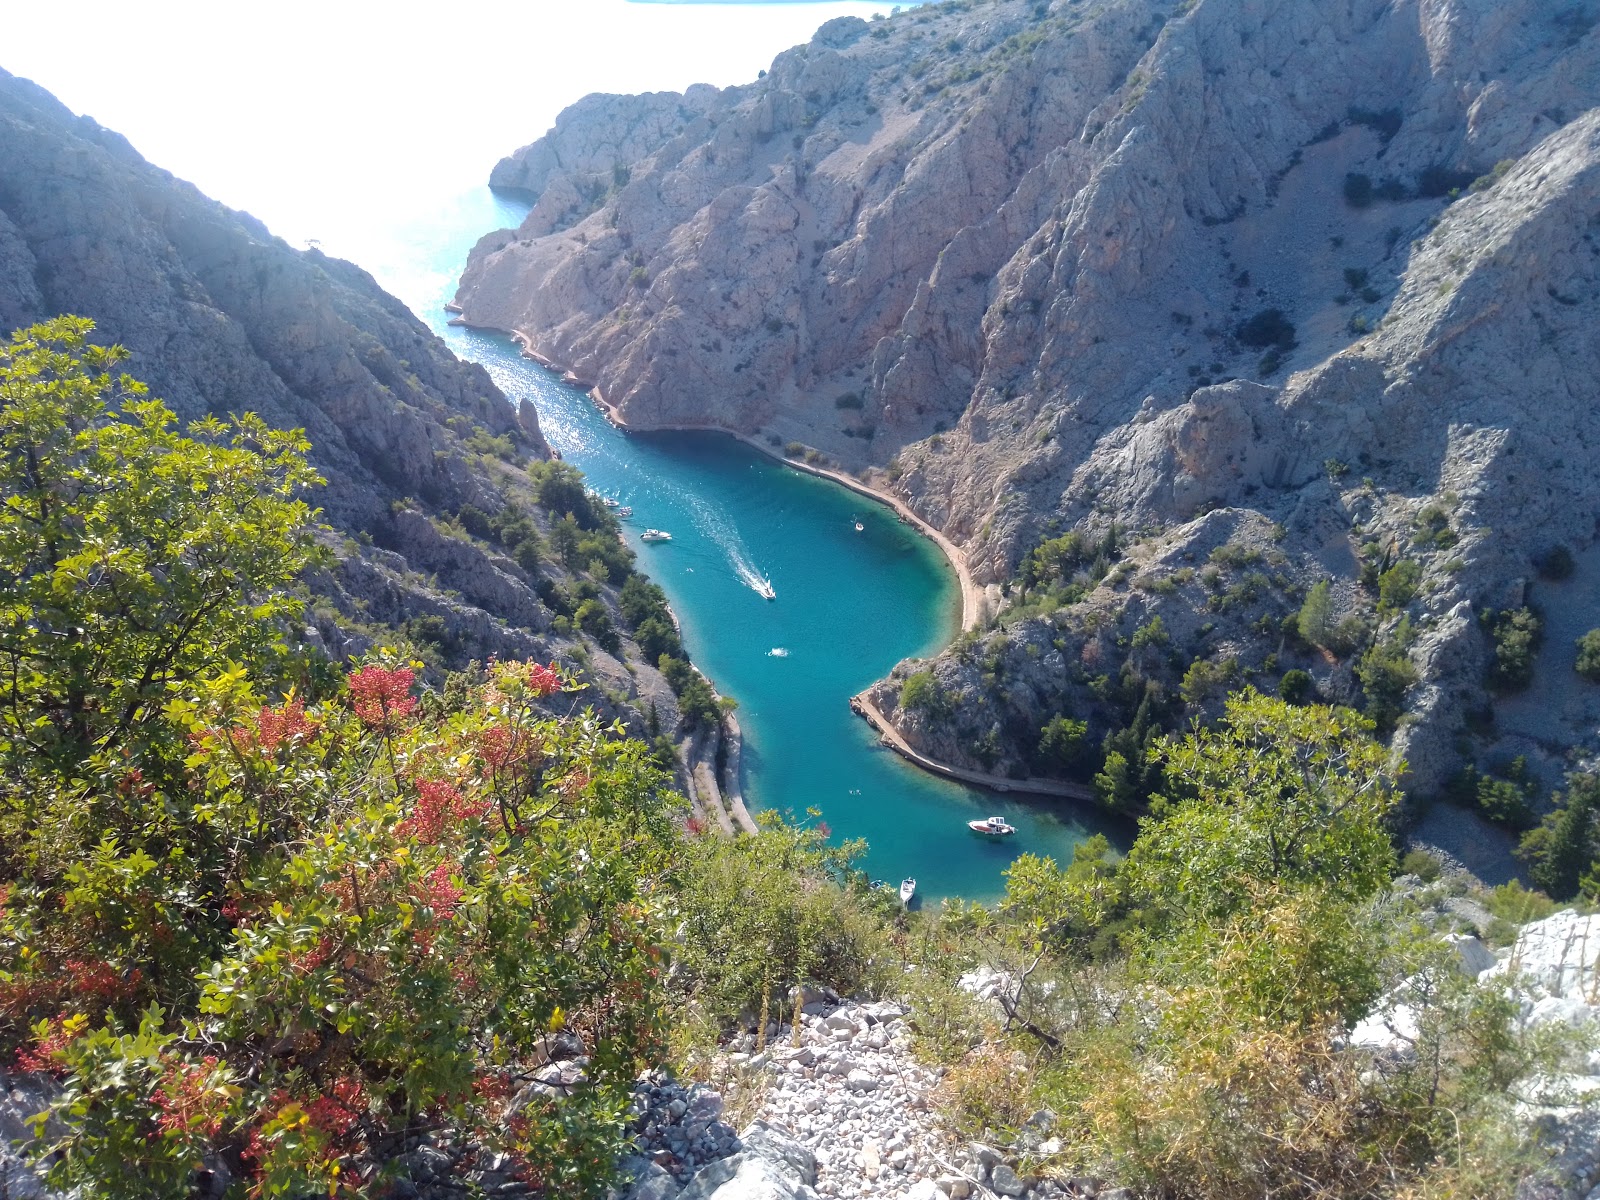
{"x":765,"y":590}
{"x":908,"y":889}
{"x":624,"y":512}
{"x":610,"y":503}
{"x":992,"y":827}
{"x":655,"y":535}
{"x":859,"y":526}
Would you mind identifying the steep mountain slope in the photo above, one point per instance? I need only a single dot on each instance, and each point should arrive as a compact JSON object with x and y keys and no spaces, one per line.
{"x":1310,"y":288}
{"x":222,"y":317}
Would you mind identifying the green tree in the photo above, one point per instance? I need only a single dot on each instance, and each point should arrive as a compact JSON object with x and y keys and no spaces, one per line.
{"x":1276,"y":794}
{"x":1316,"y":615}
{"x":1061,"y":742}
{"x":1397,"y":586}
{"x":1566,"y":844}
{"x":131,"y":557}
{"x":1588,"y":664}
{"x":1387,"y":674}
{"x":1296,"y":686}
{"x":1517,"y":634}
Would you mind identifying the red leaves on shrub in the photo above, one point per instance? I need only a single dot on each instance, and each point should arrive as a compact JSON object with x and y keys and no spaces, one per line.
{"x":438,"y":893}
{"x":382,"y":698}
{"x":187,"y":1103}
{"x":43,"y":1056}
{"x":276,"y":726}
{"x":437,"y":804}
{"x":543,"y":680}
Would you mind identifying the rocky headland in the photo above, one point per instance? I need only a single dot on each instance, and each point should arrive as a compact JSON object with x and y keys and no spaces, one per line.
{"x":1249,"y":298}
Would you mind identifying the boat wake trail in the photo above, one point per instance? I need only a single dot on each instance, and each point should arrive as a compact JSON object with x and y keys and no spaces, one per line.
{"x":717,"y":528}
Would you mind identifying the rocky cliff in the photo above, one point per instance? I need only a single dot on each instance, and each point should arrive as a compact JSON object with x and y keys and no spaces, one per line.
{"x":221,"y":317}
{"x":1308,"y":287}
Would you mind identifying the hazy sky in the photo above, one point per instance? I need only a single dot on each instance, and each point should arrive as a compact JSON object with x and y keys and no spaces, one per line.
{"x":302,"y":111}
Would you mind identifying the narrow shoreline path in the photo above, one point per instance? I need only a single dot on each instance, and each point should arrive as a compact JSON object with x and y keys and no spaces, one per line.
{"x":862,"y":705}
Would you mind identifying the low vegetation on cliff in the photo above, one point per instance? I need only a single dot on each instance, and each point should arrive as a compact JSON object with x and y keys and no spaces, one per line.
{"x":271,"y":923}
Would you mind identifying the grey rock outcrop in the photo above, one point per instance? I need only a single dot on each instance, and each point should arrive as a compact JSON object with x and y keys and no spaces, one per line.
{"x":1043,"y":267}
{"x":219,"y":316}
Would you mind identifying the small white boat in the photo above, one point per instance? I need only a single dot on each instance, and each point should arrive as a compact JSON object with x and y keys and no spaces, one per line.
{"x":766,"y":591}
{"x":992,"y":827}
{"x":859,"y":526}
{"x":624,"y":512}
{"x":908,"y":889}
{"x":777,"y":652}
{"x":610,"y":503}
{"x":655,"y":535}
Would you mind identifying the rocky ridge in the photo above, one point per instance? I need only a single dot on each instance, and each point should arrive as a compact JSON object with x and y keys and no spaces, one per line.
{"x":220,"y":316}
{"x":1312,"y":282}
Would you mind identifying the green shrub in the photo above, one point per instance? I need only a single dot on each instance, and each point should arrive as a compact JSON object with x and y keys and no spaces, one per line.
{"x":1315,"y":621}
{"x":761,"y":914}
{"x":1061,"y":743}
{"x":921,"y":693}
{"x":1205,"y":678}
{"x":1588,"y":663}
{"x":1268,"y":328}
{"x":1387,"y":673}
{"x":1296,"y":686}
{"x":1563,"y":852}
{"x":1517,"y":634}
{"x":1421,"y":864}
{"x":1397,"y":586}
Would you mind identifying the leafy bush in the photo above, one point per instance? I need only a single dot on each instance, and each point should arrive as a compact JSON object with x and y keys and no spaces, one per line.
{"x":1241,"y":808}
{"x":261,"y":915}
{"x":1423,"y":865}
{"x":761,"y":914}
{"x":1296,"y":686}
{"x":921,"y":693}
{"x":125,"y":549}
{"x":1563,"y":852}
{"x":1387,"y":673}
{"x":1397,"y":586}
{"x":1504,"y":797}
{"x":1588,"y":663}
{"x":1269,"y":327}
{"x":1061,"y":743}
{"x":1205,"y":678}
{"x":1315,"y":622}
{"x":1517,"y":634}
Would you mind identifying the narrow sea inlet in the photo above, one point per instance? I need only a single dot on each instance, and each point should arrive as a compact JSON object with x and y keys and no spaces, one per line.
{"x":849,"y":603}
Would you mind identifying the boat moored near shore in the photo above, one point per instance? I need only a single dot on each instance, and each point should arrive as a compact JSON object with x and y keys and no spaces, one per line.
{"x":992,"y":827}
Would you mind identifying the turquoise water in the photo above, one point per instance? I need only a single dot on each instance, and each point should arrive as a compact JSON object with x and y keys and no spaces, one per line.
{"x":849,"y":604}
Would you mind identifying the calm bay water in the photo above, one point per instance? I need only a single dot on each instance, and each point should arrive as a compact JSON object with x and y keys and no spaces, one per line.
{"x":373,"y":135}
{"x":849,"y":604}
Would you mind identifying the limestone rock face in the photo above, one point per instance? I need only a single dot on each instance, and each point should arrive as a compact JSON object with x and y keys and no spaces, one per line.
{"x":1044,"y":267}
{"x":221,"y":317}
